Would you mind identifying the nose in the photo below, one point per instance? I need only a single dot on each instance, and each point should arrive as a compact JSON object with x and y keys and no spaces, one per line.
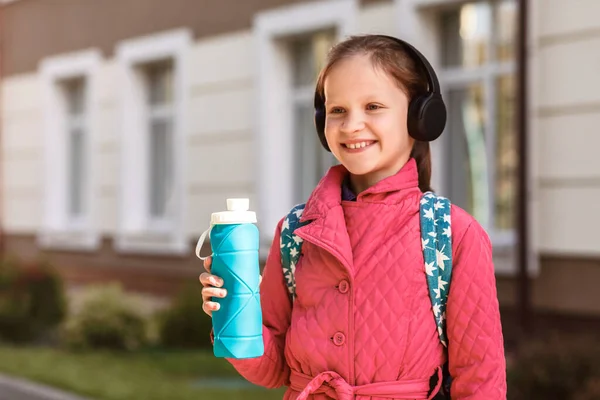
{"x":353,"y":122}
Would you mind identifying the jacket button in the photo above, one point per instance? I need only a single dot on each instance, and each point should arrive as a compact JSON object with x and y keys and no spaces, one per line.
{"x":339,"y":339}
{"x":343,"y":286}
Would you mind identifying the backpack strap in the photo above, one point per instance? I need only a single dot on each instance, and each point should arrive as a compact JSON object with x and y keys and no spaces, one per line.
{"x":290,"y":247}
{"x":436,"y":241}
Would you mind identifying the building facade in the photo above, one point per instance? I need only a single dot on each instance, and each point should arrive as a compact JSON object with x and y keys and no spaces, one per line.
{"x":125,"y":124}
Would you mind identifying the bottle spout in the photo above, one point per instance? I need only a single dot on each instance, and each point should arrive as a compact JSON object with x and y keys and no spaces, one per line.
{"x":238,"y":204}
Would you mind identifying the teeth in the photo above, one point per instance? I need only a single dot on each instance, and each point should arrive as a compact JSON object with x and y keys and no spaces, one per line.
{"x":357,"y":145}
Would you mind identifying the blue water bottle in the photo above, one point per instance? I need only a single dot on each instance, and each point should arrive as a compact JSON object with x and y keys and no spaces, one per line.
{"x":234,"y":241}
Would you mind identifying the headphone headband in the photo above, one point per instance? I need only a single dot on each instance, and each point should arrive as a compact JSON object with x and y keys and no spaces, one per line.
{"x":432,"y":80}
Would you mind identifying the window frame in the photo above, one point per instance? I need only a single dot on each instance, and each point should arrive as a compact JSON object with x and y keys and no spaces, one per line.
{"x":137,"y":232}
{"x":161,"y":112}
{"x":458,"y":77}
{"x":59,"y":230}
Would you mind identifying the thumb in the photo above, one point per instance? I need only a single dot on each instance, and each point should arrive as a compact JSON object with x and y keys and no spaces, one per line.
{"x":207,"y":264}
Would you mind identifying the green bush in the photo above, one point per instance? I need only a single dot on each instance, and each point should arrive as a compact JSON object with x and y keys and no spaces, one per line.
{"x":32,"y":301}
{"x":556,"y":368}
{"x":184,"y":324}
{"x":107,"y":318}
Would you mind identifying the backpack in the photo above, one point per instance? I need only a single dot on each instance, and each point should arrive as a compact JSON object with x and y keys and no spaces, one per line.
{"x":436,"y":243}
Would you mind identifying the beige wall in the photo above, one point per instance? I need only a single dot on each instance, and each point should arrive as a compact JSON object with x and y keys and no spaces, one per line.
{"x":107,"y":147}
{"x":22,"y":154}
{"x":566,"y":116}
{"x":219,"y":142}
{"x":221,"y":154}
{"x":378,"y":18}
{"x":220,"y":148}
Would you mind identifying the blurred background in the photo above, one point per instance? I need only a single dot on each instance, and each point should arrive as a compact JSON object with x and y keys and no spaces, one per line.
{"x":125,"y":123}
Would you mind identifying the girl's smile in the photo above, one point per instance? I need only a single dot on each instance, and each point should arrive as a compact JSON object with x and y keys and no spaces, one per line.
{"x":357,"y":146}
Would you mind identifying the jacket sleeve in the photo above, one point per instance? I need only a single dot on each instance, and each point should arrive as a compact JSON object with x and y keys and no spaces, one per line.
{"x":475,"y":342}
{"x":271,"y":369}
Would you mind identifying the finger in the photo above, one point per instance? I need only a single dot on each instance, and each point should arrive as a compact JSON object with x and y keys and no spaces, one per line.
{"x":207,"y":263}
{"x":210,"y":291}
{"x":210,"y":280}
{"x":210,"y":306}
{"x":215,"y":281}
{"x":204,"y":279}
{"x":206,"y":310}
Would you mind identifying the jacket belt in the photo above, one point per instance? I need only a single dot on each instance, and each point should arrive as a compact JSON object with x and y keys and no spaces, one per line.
{"x":334,"y":386}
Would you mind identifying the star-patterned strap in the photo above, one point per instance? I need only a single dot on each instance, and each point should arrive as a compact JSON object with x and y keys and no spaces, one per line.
{"x":436,"y":241}
{"x":290,"y":246}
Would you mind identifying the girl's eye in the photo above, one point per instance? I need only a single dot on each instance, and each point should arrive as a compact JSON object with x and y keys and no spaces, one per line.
{"x":336,"y":110}
{"x":373,"y":107}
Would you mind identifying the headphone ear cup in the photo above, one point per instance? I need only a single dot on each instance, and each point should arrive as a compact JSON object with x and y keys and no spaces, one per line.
{"x":320,"y":120}
{"x":426,"y":117}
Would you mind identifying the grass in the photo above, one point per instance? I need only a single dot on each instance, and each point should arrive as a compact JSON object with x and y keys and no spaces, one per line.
{"x":148,"y":375}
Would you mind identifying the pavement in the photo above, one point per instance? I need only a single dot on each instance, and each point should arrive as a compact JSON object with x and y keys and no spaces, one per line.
{"x":19,"y":389}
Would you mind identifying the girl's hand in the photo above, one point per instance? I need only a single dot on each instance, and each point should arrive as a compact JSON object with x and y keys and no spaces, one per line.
{"x":212,"y":288}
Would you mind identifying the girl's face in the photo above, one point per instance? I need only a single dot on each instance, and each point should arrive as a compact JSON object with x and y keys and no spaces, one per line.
{"x":366,"y":126}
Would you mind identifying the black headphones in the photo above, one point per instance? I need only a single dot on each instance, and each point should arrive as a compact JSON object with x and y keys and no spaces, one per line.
{"x":426,"y":112}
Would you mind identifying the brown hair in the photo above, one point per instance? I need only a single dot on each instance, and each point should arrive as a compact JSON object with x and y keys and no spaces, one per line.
{"x":393,"y":58}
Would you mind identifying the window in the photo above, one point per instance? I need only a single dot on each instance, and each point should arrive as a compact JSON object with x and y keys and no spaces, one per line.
{"x":154,"y":104}
{"x":159,"y":87}
{"x":74,"y":96}
{"x":311,"y":160}
{"x":292,"y":42}
{"x":69,"y":101}
{"x":477,"y":58}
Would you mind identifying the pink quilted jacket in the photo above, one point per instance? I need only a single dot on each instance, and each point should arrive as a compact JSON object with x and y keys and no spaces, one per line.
{"x":362,"y":326}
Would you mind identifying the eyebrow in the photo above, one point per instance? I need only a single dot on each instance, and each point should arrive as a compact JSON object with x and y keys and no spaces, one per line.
{"x":365,"y":99}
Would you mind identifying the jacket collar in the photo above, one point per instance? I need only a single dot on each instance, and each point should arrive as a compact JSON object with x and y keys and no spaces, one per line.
{"x":328,"y":193}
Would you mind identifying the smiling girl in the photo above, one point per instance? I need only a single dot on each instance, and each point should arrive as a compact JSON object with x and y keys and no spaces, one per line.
{"x":359,"y":322}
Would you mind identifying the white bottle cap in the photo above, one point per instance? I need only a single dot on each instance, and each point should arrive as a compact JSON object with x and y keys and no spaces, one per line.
{"x":237,"y":213}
